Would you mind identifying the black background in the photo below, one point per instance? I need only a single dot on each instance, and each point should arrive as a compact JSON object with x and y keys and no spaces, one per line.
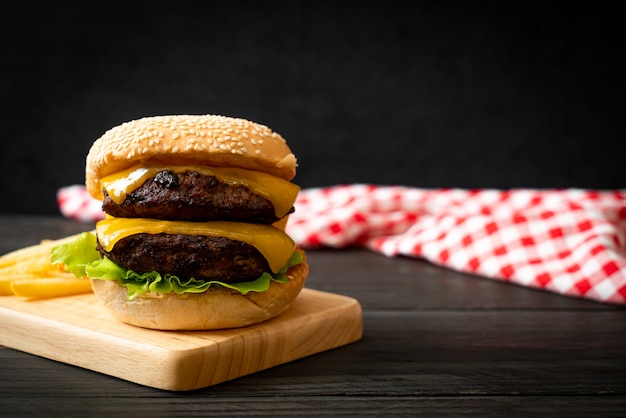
{"x":426,"y":94}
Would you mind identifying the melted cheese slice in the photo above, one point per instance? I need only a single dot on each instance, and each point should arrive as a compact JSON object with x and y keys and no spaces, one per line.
{"x":281,"y":193}
{"x":272,"y":243}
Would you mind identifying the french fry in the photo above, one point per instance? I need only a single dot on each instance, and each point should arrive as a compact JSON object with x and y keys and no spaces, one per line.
{"x":28,"y":273}
{"x":50,"y":287}
{"x":6,"y":280}
{"x":26,"y":254}
{"x":37,"y":265}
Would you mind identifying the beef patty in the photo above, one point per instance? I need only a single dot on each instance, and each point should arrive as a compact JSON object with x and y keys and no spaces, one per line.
{"x":187,"y":256}
{"x":191,"y":196}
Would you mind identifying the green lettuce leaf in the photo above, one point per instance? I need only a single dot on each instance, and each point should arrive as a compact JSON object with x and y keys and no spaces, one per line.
{"x":82,"y":259}
{"x":76,"y":255}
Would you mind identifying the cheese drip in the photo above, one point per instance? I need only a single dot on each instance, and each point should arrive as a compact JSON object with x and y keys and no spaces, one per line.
{"x":281,"y":193}
{"x":272,"y":243}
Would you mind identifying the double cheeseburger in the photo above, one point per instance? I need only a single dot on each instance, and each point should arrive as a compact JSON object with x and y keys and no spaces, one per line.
{"x":193,"y":237}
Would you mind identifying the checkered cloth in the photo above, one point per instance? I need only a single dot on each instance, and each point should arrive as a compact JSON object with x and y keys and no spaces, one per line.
{"x":569,"y":241}
{"x":77,"y":204}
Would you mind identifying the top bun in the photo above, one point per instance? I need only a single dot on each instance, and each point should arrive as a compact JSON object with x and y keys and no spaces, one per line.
{"x":208,"y":140}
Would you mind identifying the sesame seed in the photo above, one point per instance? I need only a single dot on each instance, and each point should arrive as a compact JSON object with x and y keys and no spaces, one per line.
{"x":152,"y":136}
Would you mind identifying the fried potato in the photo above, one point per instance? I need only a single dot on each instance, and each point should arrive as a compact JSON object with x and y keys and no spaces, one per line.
{"x":26,"y":254}
{"x":28,"y":272}
{"x":50,"y":287}
{"x":6,"y":280}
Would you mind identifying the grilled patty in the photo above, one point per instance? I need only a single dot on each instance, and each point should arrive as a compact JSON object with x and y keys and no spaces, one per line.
{"x":187,"y":256}
{"x":191,"y":196}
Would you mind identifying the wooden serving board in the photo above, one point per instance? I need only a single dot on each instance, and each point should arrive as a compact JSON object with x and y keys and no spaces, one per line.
{"x":78,"y":330}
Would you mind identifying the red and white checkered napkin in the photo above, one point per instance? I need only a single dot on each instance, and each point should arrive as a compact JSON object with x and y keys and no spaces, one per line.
{"x":571,"y":241}
{"x":76,"y":203}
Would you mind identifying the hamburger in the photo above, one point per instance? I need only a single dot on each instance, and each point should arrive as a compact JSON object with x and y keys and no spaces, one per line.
{"x":193,"y":238}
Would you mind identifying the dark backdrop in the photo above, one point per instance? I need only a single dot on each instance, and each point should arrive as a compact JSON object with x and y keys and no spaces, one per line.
{"x":426,"y":94}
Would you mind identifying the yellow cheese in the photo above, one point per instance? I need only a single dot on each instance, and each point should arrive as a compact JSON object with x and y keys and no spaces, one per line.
{"x":272,"y":243}
{"x":281,"y":193}
{"x":281,"y":223}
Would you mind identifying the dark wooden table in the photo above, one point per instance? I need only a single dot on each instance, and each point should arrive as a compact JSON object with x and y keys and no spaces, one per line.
{"x":435,"y":342}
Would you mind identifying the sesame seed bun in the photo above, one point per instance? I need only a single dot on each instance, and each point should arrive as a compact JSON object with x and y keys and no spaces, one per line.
{"x":217,"y":308}
{"x":208,"y":140}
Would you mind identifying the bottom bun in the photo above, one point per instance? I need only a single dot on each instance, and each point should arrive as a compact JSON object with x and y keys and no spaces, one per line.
{"x":216,"y":308}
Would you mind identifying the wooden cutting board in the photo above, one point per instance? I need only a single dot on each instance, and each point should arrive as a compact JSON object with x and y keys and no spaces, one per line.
{"x":77,"y":330}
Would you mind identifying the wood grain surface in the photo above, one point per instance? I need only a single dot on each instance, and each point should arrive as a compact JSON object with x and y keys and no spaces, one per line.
{"x":77,"y":330}
{"x":435,"y":343}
